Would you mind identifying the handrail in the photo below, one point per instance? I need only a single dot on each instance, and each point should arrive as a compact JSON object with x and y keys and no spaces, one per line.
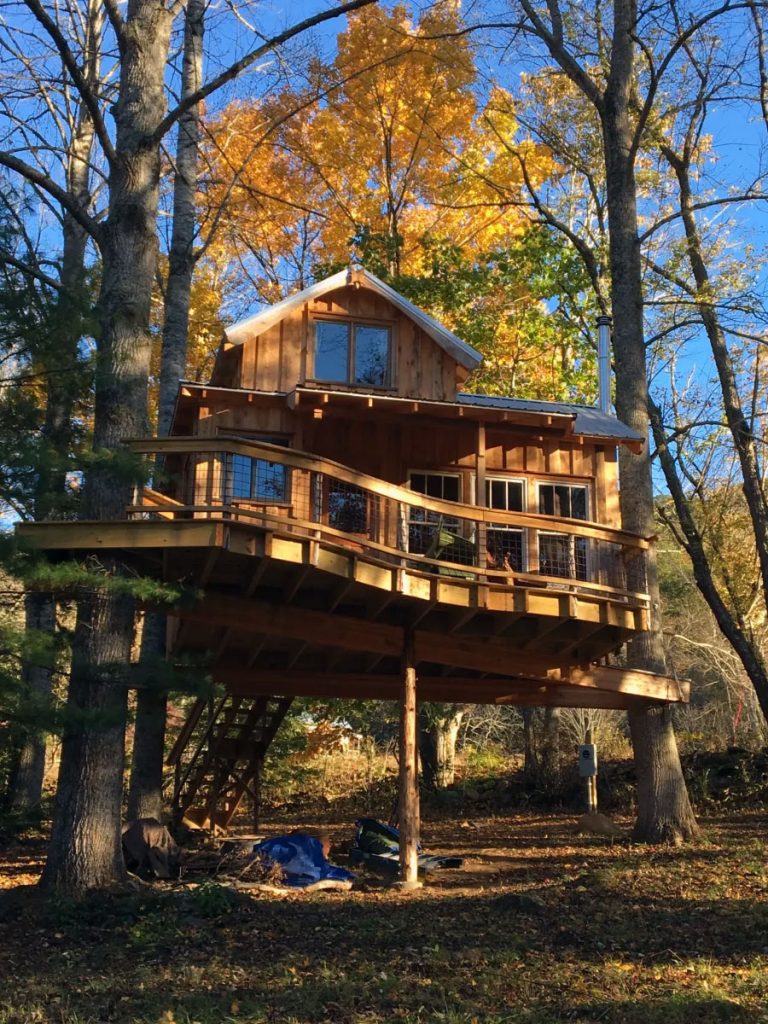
{"x":423,"y":565}
{"x":313,"y":463}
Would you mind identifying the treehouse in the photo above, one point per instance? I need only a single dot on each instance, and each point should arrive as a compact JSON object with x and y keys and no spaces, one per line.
{"x":359,"y":526}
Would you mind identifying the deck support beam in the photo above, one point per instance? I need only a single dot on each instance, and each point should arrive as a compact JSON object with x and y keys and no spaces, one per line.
{"x":409,"y":771}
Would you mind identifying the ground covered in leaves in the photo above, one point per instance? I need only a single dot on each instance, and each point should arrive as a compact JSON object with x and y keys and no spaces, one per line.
{"x":540,"y":926}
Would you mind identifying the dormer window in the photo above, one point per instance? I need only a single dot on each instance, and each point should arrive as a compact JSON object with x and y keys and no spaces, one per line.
{"x":352,"y":353}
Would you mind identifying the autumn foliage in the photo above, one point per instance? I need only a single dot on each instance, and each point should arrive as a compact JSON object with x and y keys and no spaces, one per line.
{"x":401,"y":165}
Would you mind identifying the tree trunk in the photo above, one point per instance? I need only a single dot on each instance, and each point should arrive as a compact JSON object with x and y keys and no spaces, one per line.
{"x":85,"y":850}
{"x":530,"y":762}
{"x":145,"y":792}
{"x":27,"y":783}
{"x":550,"y":743}
{"x":181,"y":258}
{"x":85,"y":845}
{"x":61,"y":359}
{"x":664,"y":811}
{"x":437,"y":748}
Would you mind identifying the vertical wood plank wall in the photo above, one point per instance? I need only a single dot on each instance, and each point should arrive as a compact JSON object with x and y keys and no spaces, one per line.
{"x":391,"y":446}
{"x":282,"y":356}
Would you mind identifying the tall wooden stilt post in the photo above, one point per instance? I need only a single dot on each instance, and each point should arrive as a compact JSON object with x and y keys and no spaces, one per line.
{"x":409,"y":777}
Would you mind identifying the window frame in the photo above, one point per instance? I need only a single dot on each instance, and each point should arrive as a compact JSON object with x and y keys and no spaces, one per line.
{"x":409,"y":521}
{"x":285,"y":500}
{"x":569,"y":540}
{"x":352,"y":326}
{"x":502,"y":527}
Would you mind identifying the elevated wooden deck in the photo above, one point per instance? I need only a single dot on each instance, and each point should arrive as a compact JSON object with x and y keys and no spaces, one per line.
{"x":295,"y":603}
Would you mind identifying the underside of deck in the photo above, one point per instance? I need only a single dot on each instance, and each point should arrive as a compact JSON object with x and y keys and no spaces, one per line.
{"x":281,"y":614}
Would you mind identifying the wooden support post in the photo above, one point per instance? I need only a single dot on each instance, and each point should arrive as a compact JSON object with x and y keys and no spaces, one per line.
{"x":481,"y":539}
{"x":409,"y":779}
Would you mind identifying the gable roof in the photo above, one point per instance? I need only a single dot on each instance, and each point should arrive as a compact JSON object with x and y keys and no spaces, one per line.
{"x":457,"y":349}
{"x":590,"y":421}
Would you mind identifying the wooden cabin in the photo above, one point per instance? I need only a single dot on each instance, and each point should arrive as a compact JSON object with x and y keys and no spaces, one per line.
{"x":360,"y":526}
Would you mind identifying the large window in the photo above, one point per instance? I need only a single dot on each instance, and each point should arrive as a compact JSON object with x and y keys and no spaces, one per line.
{"x":258,"y":479}
{"x":430,"y":532}
{"x":352,"y":353}
{"x":561,"y":554}
{"x":505,"y":544}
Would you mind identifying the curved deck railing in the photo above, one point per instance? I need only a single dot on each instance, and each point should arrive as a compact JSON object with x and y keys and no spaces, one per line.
{"x":295,"y":492}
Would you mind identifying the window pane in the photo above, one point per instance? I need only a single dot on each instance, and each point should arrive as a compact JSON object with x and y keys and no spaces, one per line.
{"x":546,"y":500}
{"x":505,"y":494}
{"x":240,"y":486}
{"x":270,"y":481}
{"x":371,"y":355}
{"x":578,"y":503}
{"x":434,"y":486}
{"x":515,"y":501}
{"x":450,"y":488}
{"x":331,"y":351}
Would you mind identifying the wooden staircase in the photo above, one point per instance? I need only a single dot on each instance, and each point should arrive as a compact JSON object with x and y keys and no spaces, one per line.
{"x":218,"y":757}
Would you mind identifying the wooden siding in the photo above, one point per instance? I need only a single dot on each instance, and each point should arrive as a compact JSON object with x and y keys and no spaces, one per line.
{"x":391,"y":447}
{"x":282,"y":356}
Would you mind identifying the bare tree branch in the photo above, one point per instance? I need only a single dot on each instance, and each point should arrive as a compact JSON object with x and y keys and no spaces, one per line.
{"x":241,"y":65}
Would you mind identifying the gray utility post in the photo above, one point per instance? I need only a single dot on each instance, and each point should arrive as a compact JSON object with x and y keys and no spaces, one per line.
{"x":588,"y":771}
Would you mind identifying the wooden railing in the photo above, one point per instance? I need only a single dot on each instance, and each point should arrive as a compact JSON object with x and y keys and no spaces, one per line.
{"x":296,"y":492}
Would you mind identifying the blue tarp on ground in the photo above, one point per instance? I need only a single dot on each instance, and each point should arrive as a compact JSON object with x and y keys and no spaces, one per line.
{"x":302,"y":860}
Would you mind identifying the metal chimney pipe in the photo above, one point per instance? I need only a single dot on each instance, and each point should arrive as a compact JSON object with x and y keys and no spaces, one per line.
{"x":604,"y":363}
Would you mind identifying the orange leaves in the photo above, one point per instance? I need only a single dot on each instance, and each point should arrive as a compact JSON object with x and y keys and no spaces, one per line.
{"x":395,"y":150}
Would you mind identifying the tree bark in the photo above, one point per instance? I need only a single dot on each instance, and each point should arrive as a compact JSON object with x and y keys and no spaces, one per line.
{"x":549,"y":761}
{"x":85,"y":845}
{"x":181,"y":258}
{"x":664,"y":811}
{"x":27,"y":779}
{"x":85,"y":850}
{"x":146,"y":785}
{"x":145,"y":791}
{"x":437,"y":747}
{"x":530,"y":762}
{"x":61,"y":359}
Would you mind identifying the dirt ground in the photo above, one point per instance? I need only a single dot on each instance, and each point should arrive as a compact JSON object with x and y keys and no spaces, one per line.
{"x":539,"y":926}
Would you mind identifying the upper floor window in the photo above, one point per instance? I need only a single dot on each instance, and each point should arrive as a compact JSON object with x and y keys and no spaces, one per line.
{"x":566,"y":500}
{"x":352,"y":353}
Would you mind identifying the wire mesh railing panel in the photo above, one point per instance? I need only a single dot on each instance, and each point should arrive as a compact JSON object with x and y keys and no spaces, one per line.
{"x":495,"y":545}
{"x":505,"y":549}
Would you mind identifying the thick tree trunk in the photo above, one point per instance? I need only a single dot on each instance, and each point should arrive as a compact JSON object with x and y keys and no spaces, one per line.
{"x":61,"y":360}
{"x":85,"y":844}
{"x":664,"y":811}
{"x":145,"y":793}
{"x":85,"y":849}
{"x":437,"y":748}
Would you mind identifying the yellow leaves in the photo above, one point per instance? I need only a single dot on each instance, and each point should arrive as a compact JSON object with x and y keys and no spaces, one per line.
{"x":399,"y":150}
